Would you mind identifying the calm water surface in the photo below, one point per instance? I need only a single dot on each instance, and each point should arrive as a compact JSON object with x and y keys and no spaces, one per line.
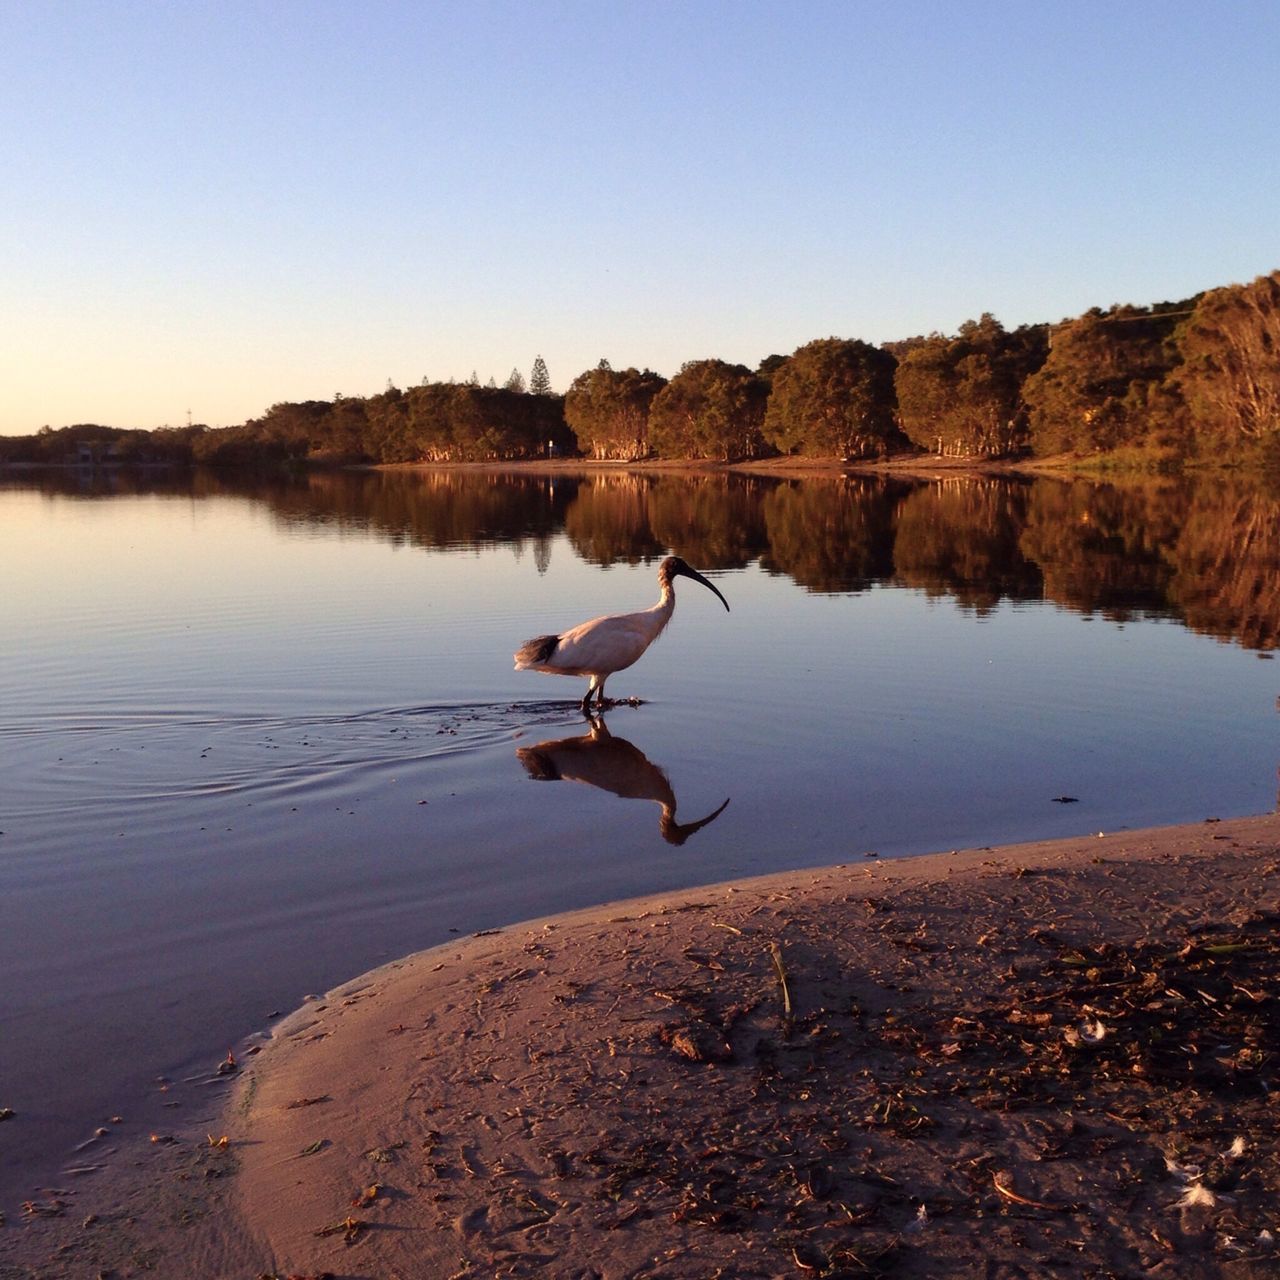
{"x":259,"y":738}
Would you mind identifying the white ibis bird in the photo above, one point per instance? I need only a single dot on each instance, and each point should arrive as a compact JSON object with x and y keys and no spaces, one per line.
{"x":604,"y":645}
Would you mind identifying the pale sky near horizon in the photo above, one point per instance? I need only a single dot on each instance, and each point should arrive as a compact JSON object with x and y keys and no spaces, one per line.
{"x":215,"y":206}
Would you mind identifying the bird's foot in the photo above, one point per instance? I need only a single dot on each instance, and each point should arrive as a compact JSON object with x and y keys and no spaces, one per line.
{"x":602,"y":705}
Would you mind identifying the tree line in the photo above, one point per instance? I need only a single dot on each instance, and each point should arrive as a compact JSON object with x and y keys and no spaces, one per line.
{"x":1170,"y":382}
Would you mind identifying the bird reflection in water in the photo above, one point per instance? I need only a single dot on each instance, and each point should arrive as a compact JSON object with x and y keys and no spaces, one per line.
{"x":612,"y":764}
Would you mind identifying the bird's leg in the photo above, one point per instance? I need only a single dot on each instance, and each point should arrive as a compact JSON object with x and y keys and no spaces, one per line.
{"x":597,"y":687}
{"x":600,"y":693}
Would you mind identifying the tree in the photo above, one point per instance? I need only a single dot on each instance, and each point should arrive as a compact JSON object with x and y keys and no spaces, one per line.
{"x":387,"y":435}
{"x":963,"y":396}
{"x":1102,"y":384}
{"x":904,"y":346}
{"x":833,"y":397}
{"x":710,"y":409}
{"x":609,"y":411}
{"x":293,"y":429}
{"x":515,"y":381}
{"x":540,"y":379}
{"x":1230,"y":372}
{"x":456,"y":422}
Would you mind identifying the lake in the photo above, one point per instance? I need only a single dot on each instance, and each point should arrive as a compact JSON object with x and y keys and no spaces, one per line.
{"x":261,"y":736}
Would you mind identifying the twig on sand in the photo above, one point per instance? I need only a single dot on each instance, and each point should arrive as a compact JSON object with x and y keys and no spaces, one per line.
{"x":775,"y":954}
{"x":999,"y":1181}
{"x":350,"y":1229}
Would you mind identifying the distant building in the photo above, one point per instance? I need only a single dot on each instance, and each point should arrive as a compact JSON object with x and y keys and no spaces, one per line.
{"x":95,"y":453}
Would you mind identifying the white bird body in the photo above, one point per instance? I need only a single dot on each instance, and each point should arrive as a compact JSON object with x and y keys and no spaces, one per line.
{"x":614,"y":641}
{"x":610,"y":643}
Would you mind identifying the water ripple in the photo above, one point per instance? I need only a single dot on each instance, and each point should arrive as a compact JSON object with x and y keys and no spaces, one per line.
{"x":113,"y":760}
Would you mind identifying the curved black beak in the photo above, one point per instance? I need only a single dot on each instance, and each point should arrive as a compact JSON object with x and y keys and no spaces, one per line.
{"x":677,"y":833}
{"x":686,"y":572}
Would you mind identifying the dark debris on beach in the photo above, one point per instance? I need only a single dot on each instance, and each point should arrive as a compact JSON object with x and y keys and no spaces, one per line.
{"x":1070,"y":1109}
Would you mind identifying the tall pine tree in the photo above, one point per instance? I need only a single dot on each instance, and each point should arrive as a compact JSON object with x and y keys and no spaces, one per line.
{"x":540,"y":379}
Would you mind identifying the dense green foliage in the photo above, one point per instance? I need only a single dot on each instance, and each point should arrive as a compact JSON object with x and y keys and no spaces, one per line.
{"x":1229,"y":374}
{"x":608,"y":411}
{"x":833,"y":397}
{"x":710,"y":409}
{"x":962,"y":396}
{"x":1175,"y":382}
{"x":1105,"y":382}
{"x":438,"y":422}
{"x":90,"y":444}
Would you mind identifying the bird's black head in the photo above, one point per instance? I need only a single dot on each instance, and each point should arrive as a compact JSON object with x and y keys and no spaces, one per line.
{"x":674,"y":567}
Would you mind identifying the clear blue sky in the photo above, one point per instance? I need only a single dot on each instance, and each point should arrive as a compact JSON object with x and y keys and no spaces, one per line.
{"x":213,"y":206}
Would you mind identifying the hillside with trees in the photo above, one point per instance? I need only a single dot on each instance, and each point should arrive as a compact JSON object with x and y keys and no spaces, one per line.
{"x":1159,"y":386}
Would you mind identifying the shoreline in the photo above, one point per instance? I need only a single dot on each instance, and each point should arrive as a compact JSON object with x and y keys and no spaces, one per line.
{"x":1099,"y":468}
{"x":911,"y":465}
{"x":968,"y":1076}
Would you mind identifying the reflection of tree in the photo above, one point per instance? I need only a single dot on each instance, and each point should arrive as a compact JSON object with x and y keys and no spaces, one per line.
{"x":424,"y":508}
{"x":429,"y":509}
{"x":1206,"y":552}
{"x":609,"y":520}
{"x":830,"y":535}
{"x":103,"y":482}
{"x":960,"y":537}
{"x":1103,"y":548}
{"x":1226,"y":581}
{"x":542,"y":553}
{"x":713,"y":521}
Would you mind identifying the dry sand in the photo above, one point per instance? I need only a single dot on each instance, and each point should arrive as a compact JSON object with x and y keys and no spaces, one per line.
{"x":1051,"y":1059}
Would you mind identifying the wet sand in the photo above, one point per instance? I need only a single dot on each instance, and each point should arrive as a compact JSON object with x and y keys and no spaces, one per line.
{"x":1054,"y":1058}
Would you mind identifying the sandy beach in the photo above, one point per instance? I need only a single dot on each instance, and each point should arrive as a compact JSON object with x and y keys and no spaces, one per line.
{"x":1046,"y":1059}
